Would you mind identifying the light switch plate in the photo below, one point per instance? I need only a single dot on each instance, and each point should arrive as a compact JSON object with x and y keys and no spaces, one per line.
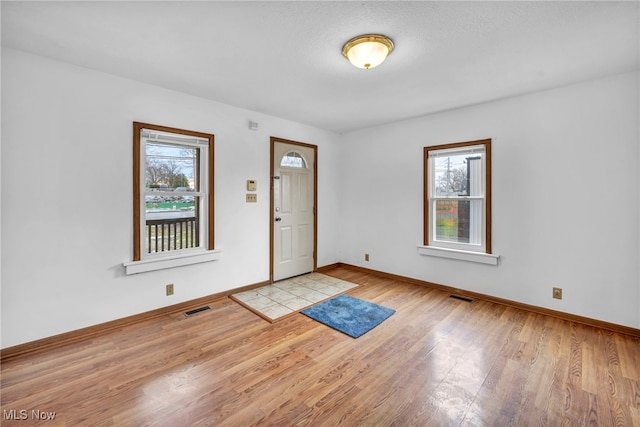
{"x":252,"y":198}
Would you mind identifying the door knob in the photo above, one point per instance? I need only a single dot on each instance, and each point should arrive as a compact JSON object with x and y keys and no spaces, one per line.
{"x":278,"y":219}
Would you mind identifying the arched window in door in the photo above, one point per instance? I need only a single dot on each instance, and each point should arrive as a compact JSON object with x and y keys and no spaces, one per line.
{"x":293,"y":159}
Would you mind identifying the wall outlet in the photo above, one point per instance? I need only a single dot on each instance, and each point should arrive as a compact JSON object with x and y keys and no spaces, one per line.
{"x":366,"y":257}
{"x":557,"y":293}
{"x":170,"y":289}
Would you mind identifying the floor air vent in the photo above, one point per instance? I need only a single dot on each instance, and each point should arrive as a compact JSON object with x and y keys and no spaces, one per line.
{"x":458,"y":297}
{"x":196,"y":310}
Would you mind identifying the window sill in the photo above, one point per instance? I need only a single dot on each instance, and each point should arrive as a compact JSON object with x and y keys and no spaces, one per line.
{"x":135,"y":267}
{"x":479,"y":257}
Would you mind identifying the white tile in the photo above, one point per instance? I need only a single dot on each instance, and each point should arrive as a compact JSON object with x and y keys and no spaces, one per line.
{"x":328,"y":279}
{"x":283,"y":283}
{"x":330,"y":290}
{"x":308,"y":294}
{"x":286,"y":286}
{"x":247,"y":295}
{"x":316,"y":286}
{"x":290,"y":295}
{"x":276,"y":310}
{"x":261,"y":303}
{"x":344,"y":286}
{"x":297,"y":304}
{"x":272,"y":292}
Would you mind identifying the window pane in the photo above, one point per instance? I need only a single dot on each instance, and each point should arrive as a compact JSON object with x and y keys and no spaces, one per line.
{"x":293,"y":160}
{"x":171,"y":166}
{"x":168,"y":204}
{"x":458,"y":175}
{"x":459,"y":221}
{"x":171,"y":223}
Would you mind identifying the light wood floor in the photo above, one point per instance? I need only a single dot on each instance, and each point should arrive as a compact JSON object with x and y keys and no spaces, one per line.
{"x":437,"y":361}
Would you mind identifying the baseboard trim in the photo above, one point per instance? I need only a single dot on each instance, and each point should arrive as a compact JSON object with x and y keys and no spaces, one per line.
{"x":613,"y":327}
{"x":95,"y":330}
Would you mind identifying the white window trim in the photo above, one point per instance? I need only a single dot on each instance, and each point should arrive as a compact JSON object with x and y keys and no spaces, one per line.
{"x":172,"y":261}
{"x":479,"y":257}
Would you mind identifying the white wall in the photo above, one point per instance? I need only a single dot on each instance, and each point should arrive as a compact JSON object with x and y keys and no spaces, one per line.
{"x":67,"y":196}
{"x":565,"y":198}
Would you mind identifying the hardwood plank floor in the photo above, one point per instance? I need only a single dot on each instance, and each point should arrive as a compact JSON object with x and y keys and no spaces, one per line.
{"x":437,"y":361}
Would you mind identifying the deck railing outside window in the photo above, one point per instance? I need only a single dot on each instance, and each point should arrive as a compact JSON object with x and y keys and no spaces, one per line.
{"x":171,"y":234}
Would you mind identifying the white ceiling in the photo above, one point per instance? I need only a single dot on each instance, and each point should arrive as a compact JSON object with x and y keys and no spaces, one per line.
{"x":284,"y":58}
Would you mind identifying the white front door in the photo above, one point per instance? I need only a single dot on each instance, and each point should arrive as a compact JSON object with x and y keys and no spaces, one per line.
{"x":293,"y":209}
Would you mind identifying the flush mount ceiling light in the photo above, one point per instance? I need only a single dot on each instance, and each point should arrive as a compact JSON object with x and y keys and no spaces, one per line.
{"x":367,"y":51}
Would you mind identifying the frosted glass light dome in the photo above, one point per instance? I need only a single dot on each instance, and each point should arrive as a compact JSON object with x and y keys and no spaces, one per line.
{"x":367,"y":51}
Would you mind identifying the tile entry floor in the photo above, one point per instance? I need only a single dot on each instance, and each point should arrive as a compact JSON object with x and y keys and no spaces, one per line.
{"x":289,"y":296}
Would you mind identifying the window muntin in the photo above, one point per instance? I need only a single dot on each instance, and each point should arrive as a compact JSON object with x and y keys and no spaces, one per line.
{"x":173,"y":206}
{"x":457,"y":196}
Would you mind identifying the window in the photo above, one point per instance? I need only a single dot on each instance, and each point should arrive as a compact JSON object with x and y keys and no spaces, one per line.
{"x":293,"y":160}
{"x":173,"y":192}
{"x":457,"y":203}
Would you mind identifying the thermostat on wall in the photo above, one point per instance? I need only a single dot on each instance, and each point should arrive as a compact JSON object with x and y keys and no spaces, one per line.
{"x":251,"y":185}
